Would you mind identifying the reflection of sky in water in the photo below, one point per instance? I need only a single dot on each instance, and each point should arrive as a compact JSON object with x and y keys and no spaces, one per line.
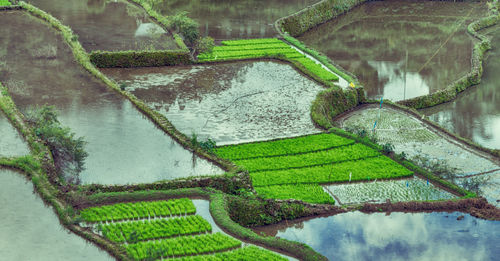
{"x":419,"y":236}
{"x":394,"y":89}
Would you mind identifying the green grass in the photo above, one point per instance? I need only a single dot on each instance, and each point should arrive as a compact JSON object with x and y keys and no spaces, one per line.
{"x":182,"y":246}
{"x":262,"y":48}
{"x":5,"y":3}
{"x":245,"y":253}
{"x":312,"y":193}
{"x":282,"y":147}
{"x":124,"y":211}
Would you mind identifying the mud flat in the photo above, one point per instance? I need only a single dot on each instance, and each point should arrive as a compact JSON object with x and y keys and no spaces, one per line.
{"x":227,"y":102}
{"x":124,"y":147}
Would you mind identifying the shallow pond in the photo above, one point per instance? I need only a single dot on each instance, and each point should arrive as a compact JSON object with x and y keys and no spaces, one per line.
{"x":11,"y":142}
{"x":108,"y":25}
{"x":400,"y":49}
{"x":475,"y":114}
{"x":394,"y":190}
{"x":31,"y":231}
{"x":234,"y":19}
{"x":227,"y":102}
{"x":123,"y":146}
{"x":398,"y":236}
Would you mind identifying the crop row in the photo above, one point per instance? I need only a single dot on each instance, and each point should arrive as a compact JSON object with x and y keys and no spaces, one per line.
{"x":380,"y":167}
{"x":244,"y":253}
{"x":155,"y":229}
{"x":182,"y":246}
{"x":278,"y":45}
{"x":317,"y":69}
{"x":222,"y":54}
{"x":5,"y":3}
{"x":251,"y":41}
{"x":312,"y":193}
{"x":350,"y":152}
{"x":124,"y":211}
{"x":282,"y":147}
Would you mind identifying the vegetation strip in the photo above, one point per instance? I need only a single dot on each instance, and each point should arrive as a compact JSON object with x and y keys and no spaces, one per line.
{"x":312,"y":193}
{"x":244,"y":253}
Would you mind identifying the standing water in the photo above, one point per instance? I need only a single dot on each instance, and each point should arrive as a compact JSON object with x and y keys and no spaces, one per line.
{"x":11,"y":143}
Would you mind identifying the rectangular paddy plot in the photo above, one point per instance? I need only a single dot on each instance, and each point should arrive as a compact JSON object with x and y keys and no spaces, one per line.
{"x":293,"y":168}
{"x":124,"y":147}
{"x":168,"y":229}
{"x":394,"y":190}
{"x":109,"y":25}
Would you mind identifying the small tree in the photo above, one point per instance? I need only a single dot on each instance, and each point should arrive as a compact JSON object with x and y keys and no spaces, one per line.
{"x":185,"y":26}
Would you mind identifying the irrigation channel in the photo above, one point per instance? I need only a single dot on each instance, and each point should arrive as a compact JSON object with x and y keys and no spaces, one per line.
{"x":236,"y":19}
{"x":31,"y":231}
{"x":230,"y":102}
{"x":124,"y":147}
{"x":11,"y":143}
{"x":395,"y":236}
{"x":475,"y":114}
{"x":109,"y":25}
{"x":400,"y":49}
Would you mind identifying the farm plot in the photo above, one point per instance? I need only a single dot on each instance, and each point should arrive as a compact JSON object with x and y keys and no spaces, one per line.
{"x":5,"y":3}
{"x":288,"y":169}
{"x":261,"y":48}
{"x":167,"y":229}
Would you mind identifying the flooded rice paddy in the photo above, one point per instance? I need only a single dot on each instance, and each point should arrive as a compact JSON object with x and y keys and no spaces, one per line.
{"x":393,"y":190}
{"x":234,"y":19}
{"x":123,"y":146}
{"x":109,"y":25}
{"x":475,"y":114}
{"x":395,"y":236}
{"x":227,"y":102}
{"x":11,"y":143}
{"x":401,"y":49}
{"x":31,"y":231}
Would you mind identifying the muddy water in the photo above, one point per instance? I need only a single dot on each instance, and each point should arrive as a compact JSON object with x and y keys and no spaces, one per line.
{"x":234,"y":19}
{"x":31,"y":231}
{"x":475,"y":114}
{"x":229,"y":102}
{"x":398,"y":236}
{"x":400,"y":49}
{"x":108,"y":25}
{"x":123,"y":146}
{"x":11,"y":142}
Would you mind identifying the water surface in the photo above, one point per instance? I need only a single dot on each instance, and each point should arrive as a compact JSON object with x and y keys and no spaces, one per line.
{"x":475,"y":114}
{"x":31,"y":231}
{"x":227,"y":102}
{"x":123,"y":146}
{"x":398,"y":236}
{"x":400,"y":49}
{"x":234,"y":19}
{"x":11,"y":142}
{"x":108,"y":25}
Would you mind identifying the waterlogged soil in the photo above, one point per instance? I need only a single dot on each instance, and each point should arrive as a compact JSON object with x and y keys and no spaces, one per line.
{"x":401,"y":49}
{"x":234,"y":19}
{"x":395,"y":236}
{"x":109,"y":25}
{"x":11,"y":142}
{"x":475,"y":113}
{"x":227,"y":102}
{"x":31,"y":231}
{"x":124,"y":146}
{"x":394,"y":190}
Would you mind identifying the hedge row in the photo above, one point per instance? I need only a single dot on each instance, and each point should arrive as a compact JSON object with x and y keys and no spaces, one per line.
{"x":127,"y":59}
{"x":332,"y":102}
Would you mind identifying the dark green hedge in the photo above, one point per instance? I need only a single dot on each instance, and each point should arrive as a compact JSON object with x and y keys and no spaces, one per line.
{"x":127,"y":59}
{"x":332,"y":102}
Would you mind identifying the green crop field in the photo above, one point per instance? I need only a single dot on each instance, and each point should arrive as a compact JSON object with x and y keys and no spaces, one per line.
{"x":294,"y":168}
{"x":260,"y":48}
{"x":5,"y":3}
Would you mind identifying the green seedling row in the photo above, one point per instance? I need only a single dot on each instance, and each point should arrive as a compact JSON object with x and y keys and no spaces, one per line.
{"x":245,"y":253}
{"x":282,"y":147}
{"x":251,"y":41}
{"x":317,"y":69}
{"x":182,"y":246}
{"x":350,"y":152}
{"x":312,"y":193}
{"x":5,"y":3}
{"x":278,"y":45}
{"x":380,"y":167}
{"x":159,"y":228}
{"x":240,"y":54}
{"x":126,"y":211}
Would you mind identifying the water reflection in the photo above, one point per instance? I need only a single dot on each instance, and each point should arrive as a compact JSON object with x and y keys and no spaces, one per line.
{"x":234,"y":19}
{"x":475,"y":114}
{"x":230,"y":102}
{"x":123,"y":146}
{"x":400,"y":49}
{"x":11,"y":143}
{"x":31,"y":231}
{"x":398,"y":236}
{"x":108,"y":25}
